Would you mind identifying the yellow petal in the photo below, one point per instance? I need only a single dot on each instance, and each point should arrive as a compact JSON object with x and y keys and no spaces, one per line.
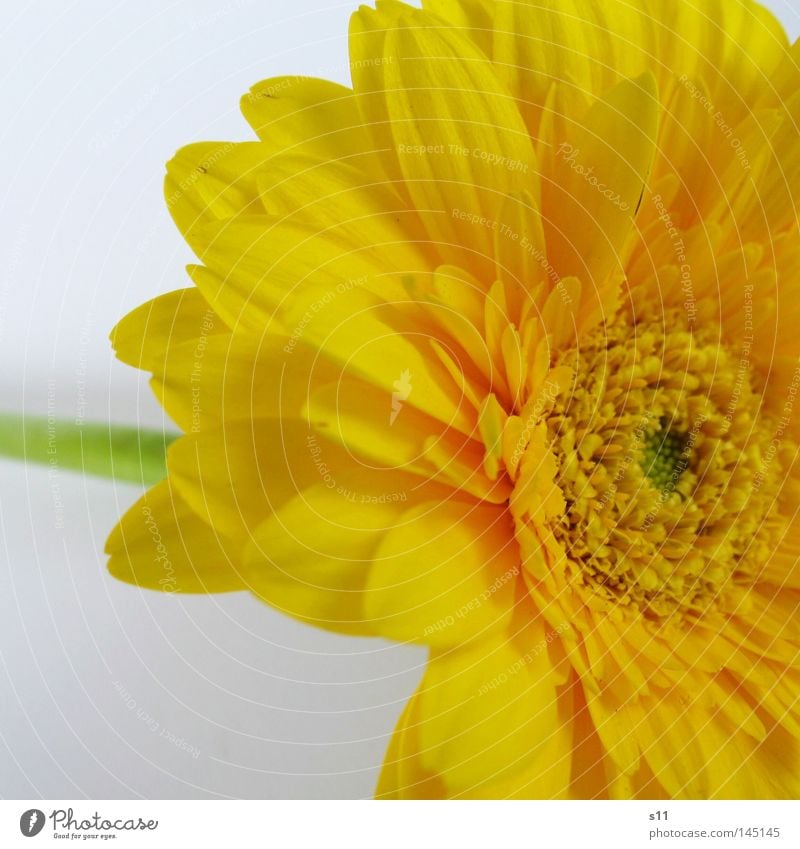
{"x":316,"y":194}
{"x":267,"y":267}
{"x":321,"y":578}
{"x":447,"y":573}
{"x":373,"y":424}
{"x":489,"y":719}
{"x":234,"y":477}
{"x":696,"y":756}
{"x":585,"y":46}
{"x":395,"y":357}
{"x":402,"y":775}
{"x":161,"y":544}
{"x":146,"y":336}
{"x":368,"y":61}
{"x":734,"y":46}
{"x":460,"y":141}
{"x":472,"y":17}
{"x":598,"y":179}
{"x":208,"y":181}
{"x":491,"y":422}
{"x":561,"y":315}
{"x":303,"y":116}
{"x":227,"y":378}
{"x":520,"y":251}
{"x":764,"y":201}
{"x":588,"y":47}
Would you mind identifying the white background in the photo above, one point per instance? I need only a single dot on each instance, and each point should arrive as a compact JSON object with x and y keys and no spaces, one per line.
{"x":96,"y":97}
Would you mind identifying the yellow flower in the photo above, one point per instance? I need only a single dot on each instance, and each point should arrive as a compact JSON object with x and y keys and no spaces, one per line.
{"x":494,"y":352}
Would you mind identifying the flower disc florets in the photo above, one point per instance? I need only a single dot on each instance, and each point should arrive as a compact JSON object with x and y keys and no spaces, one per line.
{"x":658,"y":440}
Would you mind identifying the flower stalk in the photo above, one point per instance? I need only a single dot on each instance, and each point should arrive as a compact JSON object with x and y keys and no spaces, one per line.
{"x":103,"y":450}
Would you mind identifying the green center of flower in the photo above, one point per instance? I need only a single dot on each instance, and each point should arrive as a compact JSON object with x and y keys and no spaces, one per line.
{"x":665,"y":457}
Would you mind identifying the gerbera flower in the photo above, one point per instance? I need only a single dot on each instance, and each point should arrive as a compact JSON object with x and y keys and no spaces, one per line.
{"x":493,"y":352}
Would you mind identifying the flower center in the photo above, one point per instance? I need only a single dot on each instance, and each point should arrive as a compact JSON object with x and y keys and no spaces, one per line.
{"x":664,"y":457}
{"x":658,"y":443}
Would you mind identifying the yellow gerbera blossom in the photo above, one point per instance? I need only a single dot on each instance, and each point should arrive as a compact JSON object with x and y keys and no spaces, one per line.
{"x":494,"y":352}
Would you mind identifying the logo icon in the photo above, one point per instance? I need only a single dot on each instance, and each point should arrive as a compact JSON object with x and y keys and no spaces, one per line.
{"x":31,"y":822}
{"x":402,"y":389}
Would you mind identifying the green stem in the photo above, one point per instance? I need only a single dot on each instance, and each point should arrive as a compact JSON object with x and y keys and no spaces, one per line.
{"x":108,"y":451}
